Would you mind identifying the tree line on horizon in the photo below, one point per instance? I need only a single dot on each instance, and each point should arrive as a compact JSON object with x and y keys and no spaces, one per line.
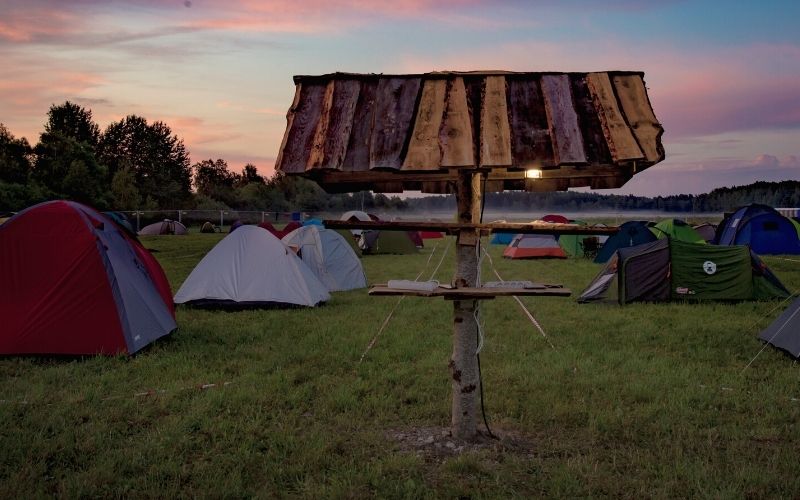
{"x":137,"y":165}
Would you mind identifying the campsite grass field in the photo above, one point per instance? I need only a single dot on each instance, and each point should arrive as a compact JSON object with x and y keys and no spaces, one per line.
{"x":646,"y":400}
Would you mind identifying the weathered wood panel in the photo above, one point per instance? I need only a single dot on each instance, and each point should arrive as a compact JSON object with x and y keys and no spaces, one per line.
{"x":395,"y":99}
{"x":530,"y":133}
{"x":302,"y":121}
{"x":335,"y":123}
{"x":456,"y":132}
{"x":564,"y":130}
{"x":621,"y":142}
{"x":636,"y":106}
{"x":357,"y":156}
{"x":594,"y":141}
{"x":495,"y":136}
{"x":424,"y":150}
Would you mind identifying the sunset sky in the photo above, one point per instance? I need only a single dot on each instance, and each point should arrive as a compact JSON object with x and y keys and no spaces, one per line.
{"x":723,"y":76}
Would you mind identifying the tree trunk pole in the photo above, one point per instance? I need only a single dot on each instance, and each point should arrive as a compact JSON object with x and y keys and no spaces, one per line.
{"x":464,"y":362}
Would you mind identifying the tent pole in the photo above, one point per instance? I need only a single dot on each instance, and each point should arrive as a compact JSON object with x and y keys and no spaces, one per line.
{"x":464,"y":362}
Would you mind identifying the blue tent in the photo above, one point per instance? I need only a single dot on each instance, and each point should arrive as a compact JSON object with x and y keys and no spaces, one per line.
{"x":313,"y":222}
{"x":760,"y":227}
{"x":630,"y":234}
{"x":502,"y":238}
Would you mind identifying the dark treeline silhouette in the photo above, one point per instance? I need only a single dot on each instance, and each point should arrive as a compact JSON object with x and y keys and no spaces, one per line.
{"x":776,"y":194}
{"x":136,"y":165}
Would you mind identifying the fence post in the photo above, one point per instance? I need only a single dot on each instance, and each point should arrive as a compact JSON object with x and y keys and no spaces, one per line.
{"x":221,"y":218}
{"x":137,"y":221}
{"x":179,"y":216}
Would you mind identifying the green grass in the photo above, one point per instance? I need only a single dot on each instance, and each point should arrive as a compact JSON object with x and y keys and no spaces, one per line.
{"x":641,"y":401}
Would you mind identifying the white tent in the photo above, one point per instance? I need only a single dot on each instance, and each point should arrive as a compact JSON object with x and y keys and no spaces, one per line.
{"x":329,"y":256}
{"x":250,"y":267}
{"x":357,"y":215}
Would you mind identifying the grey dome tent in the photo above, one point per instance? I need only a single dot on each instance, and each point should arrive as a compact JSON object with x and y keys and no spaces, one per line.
{"x":784,"y":332}
{"x":166,"y":226}
{"x":329,"y":256}
{"x":251,"y":267}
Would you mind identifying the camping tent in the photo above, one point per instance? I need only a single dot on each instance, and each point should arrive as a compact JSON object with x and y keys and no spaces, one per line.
{"x":502,"y":238}
{"x":356,"y":215}
{"x":630,"y":234}
{"x":534,"y":246}
{"x":166,"y":226}
{"x":416,"y":237}
{"x":74,"y":283}
{"x":386,"y":242}
{"x":555,"y":219}
{"x":672,"y":269}
{"x":784,"y":332}
{"x":329,"y":256}
{"x":269,"y":227}
{"x":706,"y":231}
{"x":236,"y":225}
{"x":762,"y":228}
{"x":677,"y":230}
{"x":251,"y":267}
{"x":573,"y":244}
{"x":208,"y":227}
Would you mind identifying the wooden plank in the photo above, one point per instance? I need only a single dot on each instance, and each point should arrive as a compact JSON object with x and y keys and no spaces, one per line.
{"x":594,"y":140}
{"x":621,"y":142}
{"x":424,"y":150}
{"x":395,"y":100}
{"x":495,"y":135}
{"x":336,"y":122}
{"x":458,"y":146}
{"x":302,"y":121}
{"x":280,"y":165}
{"x":530,"y":133}
{"x":639,"y":114}
{"x":564,"y":130}
{"x":357,"y":156}
{"x":472,"y":293}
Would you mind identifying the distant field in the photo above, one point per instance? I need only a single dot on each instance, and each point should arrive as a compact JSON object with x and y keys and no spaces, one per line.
{"x":647,"y":400}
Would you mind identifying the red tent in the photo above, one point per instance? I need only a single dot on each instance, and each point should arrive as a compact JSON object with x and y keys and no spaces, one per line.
{"x":74,"y":283}
{"x":430,"y":235}
{"x":269,"y":227}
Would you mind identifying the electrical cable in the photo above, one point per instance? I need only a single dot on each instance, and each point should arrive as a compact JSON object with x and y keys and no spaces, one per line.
{"x":477,"y":324}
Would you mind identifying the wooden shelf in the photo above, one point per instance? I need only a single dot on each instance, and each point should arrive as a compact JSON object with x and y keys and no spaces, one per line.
{"x":455,"y":227}
{"x":481,"y":293}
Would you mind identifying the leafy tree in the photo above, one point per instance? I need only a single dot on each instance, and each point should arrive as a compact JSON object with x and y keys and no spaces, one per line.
{"x":213,"y":179}
{"x":124,"y":190}
{"x":250,"y":175}
{"x":15,"y":157}
{"x":158,"y":159}
{"x":68,"y":169}
{"x":72,"y":120}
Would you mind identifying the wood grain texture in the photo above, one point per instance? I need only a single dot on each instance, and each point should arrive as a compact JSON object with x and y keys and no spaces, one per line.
{"x":594,"y":140}
{"x":458,"y":147}
{"x":357,"y":156}
{"x":395,"y":99}
{"x":530,"y":133}
{"x":621,"y":142}
{"x":636,"y":106}
{"x":302,"y":121}
{"x":495,"y":136}
{"x":564,"y":130}
{"x":335,"y":123}
{"x":424,"y":150}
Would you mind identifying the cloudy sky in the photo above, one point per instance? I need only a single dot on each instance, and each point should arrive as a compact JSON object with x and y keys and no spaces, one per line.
{"x":723,"y":76}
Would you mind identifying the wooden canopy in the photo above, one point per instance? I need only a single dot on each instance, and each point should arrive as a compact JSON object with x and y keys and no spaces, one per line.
{"x":387,"y":133}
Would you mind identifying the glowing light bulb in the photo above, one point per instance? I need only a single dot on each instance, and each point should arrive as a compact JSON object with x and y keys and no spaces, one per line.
{"x":533,"y":173}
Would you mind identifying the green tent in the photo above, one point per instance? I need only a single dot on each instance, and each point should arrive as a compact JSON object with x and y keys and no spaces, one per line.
{"x":386,"y":242}
{"x":677,"y":229}
{"x":573,"y":243}
{"x":669,"y":269}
